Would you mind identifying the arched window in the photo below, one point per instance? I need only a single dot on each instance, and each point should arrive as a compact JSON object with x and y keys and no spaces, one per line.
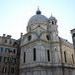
{"x":48,"y":55}
{"x":48,"y":37}
{"x":34,"y":54}
{"x":5,"y":40}
{"x":52,"y":22}
{"x":65,"y":56}
{"x":4,"y":69}
{"x":24,"y":57}
{"x":72,"y":58}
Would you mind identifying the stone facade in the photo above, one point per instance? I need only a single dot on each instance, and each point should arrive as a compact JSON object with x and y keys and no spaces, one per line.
{"x":43,"y":52}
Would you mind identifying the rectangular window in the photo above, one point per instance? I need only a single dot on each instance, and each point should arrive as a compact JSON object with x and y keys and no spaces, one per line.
{"x":10,"y":42}
{"x":48,"y":55}
{"x":65,"y":56}
{"x":5,"y":59}
{"x":7,"y":50}
{"x":13,"y":60}
{"x":14,"y":51}
{"x":24,"y":59}
{"x":12,"y":70}
{"x":8,"y":59}
{"x":34,"y":54}
{"x":1,"y":49}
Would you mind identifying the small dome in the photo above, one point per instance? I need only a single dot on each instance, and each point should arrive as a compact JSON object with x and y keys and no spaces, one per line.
{"x":38,"y":18}
{"x":52,"y":19}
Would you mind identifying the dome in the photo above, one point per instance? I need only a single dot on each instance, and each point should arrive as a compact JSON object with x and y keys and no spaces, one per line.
{"x":38,"y":19}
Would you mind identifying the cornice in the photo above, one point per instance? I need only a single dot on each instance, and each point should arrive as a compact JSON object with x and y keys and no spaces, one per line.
{"x":47,"y":42}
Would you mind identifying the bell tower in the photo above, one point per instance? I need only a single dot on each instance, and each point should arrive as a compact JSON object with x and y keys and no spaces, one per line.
{"x":73,"y":37}
{"x":54,"y":40}
{"x":52,"y":27}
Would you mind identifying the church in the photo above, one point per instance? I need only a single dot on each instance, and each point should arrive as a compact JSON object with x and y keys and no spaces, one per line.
{"x":38,"y":52}
{"x":43,"y":52}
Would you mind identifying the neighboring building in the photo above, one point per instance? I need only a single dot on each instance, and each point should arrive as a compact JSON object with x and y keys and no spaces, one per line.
{"x":38,"y":52}
{"x":43,"y":52}
{"x":8,"y":56}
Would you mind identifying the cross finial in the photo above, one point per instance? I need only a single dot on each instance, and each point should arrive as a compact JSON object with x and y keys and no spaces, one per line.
{"x":38,"y":7}
{"x":38,"y":12}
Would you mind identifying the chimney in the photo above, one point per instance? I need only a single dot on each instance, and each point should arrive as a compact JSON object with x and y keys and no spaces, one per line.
{"x":8,"y":36}
{"x":3,"y":35}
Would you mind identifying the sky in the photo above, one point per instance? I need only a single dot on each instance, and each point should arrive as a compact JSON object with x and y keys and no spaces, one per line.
{"x":15,"y":14}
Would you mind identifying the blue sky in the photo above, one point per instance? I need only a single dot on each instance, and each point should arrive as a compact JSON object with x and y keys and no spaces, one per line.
{"x":15,"y":14}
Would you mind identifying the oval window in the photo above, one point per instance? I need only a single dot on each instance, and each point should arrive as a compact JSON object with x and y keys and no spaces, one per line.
{"x":29,"y":37}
